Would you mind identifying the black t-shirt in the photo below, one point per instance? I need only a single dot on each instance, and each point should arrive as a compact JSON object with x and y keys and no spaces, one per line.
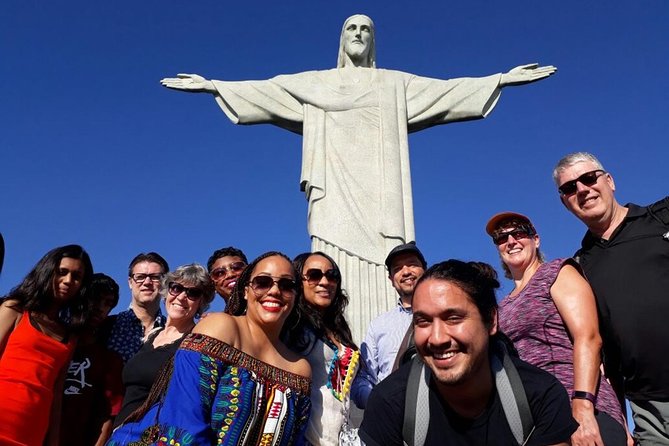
{"x":548,"y":400}
{"x":629,"y":274}
{"x":141,"y":371}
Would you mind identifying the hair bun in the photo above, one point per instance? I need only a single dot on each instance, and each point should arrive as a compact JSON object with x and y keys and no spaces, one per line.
{"x":486,"y":273}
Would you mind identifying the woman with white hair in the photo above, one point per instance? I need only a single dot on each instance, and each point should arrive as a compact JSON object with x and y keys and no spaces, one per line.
{"x":187,"y":293}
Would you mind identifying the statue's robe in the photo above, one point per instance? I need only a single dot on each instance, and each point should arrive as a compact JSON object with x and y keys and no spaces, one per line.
{"x":355,"y":158}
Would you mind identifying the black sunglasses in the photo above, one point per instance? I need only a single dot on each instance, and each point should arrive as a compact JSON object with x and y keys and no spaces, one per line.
{"x":262,"y":284}
{"x":502,"y":237}
{"x":191,"y":293}
{"x":314,"y":275}
{"x":587,"y":179}
{"x":222,"y":272}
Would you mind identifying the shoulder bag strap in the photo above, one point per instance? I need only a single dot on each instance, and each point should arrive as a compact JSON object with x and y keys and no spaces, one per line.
{"x":416,"y":405}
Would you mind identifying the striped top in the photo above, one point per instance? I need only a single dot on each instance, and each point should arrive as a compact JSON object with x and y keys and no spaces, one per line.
{"x":532,"y":321}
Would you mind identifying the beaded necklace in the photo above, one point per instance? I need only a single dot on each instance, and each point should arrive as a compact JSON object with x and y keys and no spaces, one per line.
{"x":342,"y":370}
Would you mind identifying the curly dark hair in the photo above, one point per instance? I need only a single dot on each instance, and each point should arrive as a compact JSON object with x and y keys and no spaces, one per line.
{"x":35,"y":293}
{"x":237,"y":304}
{"x":230,"y":251}
{"x":333,"y":319}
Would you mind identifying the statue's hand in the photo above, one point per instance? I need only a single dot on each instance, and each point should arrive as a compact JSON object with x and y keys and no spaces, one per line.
{"x":193,"y":83}
{"x":525,"y":74}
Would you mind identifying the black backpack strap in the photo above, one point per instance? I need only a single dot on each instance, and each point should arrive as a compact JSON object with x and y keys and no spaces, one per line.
{"x":416,"y":405}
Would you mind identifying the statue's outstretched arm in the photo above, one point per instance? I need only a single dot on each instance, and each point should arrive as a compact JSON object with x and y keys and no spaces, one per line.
{"x":525,"y":74}
{"x":192,"y":83}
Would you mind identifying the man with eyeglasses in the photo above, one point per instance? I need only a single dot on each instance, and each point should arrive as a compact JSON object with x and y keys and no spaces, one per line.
{"x":225,"y":266}
{"x":388,"y":333}
{"x":625,"y":256}
{"x":127,"y":330}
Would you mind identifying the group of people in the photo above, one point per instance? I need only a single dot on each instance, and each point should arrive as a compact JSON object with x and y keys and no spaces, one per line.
{"x":448,"y":365}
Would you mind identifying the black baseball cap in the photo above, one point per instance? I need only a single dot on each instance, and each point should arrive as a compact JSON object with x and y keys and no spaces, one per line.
{"x":401,"y":249}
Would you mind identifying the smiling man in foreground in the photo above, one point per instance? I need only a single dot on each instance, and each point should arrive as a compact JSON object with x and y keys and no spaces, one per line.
{"x":455,"y":326}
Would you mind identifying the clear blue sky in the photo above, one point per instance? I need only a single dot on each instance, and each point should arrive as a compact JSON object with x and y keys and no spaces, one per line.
{"x":94,"y":151}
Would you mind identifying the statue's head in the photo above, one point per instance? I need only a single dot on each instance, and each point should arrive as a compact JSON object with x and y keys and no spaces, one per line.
{"x":356,"y":44}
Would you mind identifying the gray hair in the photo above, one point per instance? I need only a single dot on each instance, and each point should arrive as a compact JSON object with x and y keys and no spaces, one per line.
{"x":573,"y":158}
{"x":194,"y":275}
{"x":371,"y":55}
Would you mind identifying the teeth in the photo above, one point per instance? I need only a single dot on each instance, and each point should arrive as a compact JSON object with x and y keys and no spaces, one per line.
{"x":271,"y":304}
{"x":444,"y":355}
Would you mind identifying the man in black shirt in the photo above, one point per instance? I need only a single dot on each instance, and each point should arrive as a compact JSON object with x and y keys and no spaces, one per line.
{"x":455,"y":320}
{"x":625,"y":256}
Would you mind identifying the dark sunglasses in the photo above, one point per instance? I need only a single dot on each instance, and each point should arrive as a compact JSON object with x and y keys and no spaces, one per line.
{"x":262,"y":284}
{"x":314,"y":275}
{"x":191,"y":293}
{"x":220,"y":273}
{"x":587,"y":179}
{"x":502,"y":237}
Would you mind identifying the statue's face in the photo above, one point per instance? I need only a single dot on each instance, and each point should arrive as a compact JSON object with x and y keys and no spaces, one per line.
{"x":357,"y":37}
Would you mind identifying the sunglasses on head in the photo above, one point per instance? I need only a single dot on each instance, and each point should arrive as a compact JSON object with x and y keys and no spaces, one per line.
{"x":191,"y":293}
{"x":587,"y":179}
{"x":518,"y":233}
{"x":262,"y":284}
{"x":315,"y":275}
{"x":220,"y":273}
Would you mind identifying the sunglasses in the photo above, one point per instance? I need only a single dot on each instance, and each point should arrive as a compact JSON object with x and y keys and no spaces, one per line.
{"x":587,"y":179}
{"x":262,"y":284}
{"x":503,"y":237}
{"x":191,"y":293}
{"x":222,"y":272}
{"x":315,"y":275}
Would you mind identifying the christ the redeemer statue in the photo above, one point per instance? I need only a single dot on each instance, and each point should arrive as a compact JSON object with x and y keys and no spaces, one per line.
{"x":355,"y":153}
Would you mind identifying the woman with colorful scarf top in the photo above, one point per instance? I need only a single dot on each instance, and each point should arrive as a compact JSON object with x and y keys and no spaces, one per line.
{"x":327,"y":342}
{"x":233,"y":381}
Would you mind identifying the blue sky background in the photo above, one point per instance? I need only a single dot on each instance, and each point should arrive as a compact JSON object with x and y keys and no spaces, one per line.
{"x":94,"y":151}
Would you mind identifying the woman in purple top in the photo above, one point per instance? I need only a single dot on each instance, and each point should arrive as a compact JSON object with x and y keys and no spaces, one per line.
{"x":551,"y":317}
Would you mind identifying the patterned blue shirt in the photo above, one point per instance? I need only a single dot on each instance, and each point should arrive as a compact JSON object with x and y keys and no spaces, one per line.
{"x":379,"y":350}
{"x":126,"y":335}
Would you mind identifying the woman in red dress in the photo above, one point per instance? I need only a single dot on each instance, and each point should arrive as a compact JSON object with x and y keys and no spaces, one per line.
{"x":38,"y":320}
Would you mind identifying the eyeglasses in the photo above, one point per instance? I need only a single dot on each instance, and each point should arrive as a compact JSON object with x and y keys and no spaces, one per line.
{"x":191,"y":293}
{"x":222,"y":272}
{"x":314,"y":275}
{"x":140,"y":277}
{"x":262,"y":284}
{"x":587,"y":179}
{"x":519,"y":233}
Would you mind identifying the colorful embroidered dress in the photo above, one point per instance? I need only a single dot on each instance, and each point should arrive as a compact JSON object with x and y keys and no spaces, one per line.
{"x":219,"y":395}
{"x":332,"y":371}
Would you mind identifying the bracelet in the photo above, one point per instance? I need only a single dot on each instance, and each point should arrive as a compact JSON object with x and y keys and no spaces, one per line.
{"x":581,"y":395}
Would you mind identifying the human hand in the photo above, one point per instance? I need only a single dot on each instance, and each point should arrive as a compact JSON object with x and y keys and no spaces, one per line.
{"x":587,"y":433}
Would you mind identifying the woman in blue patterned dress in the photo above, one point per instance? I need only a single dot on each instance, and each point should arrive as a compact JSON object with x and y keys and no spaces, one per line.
{"x":233,"y":381}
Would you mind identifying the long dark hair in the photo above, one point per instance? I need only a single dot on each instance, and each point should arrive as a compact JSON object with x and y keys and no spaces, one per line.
{"x":332,"y":319}
{"x":237,"y":304}
{"x":35,"y":293}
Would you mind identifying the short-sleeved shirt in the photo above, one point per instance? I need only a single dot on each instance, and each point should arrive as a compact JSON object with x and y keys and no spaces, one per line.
{"x":629,"y":274}
{"x":92,"y":394}
{"x":125,"y":334}
{"x":548,"y":400}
